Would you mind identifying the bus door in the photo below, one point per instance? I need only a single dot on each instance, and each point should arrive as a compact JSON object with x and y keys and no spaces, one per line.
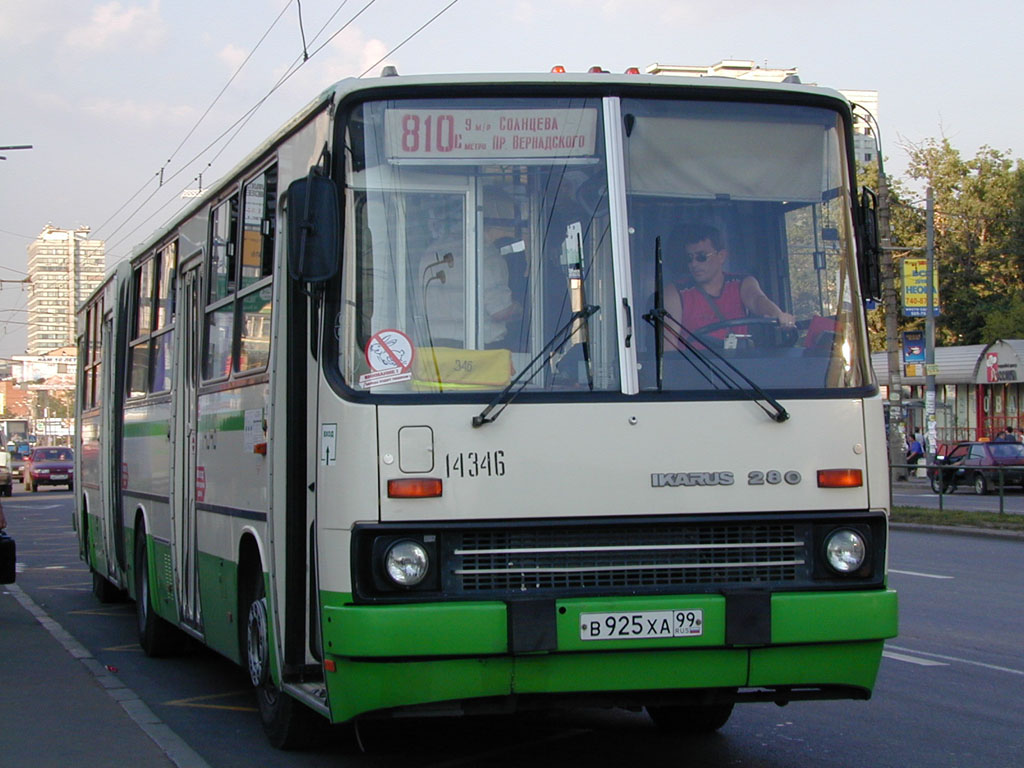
{"x":190,"y":319}
{"x":109,"y":468}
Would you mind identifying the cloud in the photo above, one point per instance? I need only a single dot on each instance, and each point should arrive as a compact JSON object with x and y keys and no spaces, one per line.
{"x":131,"y":113}
{"x":115,"y":25}
{"x":232,"y":56}
{"x":21,"y":24}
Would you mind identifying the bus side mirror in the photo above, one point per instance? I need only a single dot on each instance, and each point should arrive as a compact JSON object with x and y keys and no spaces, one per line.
{"x":869,"y":258}
{"x":314,"y":230}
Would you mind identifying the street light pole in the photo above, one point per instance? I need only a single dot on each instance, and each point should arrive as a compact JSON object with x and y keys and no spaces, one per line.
{"x":929,"y":328}
{"x":890,"y":300}
{"x":11,"y":147}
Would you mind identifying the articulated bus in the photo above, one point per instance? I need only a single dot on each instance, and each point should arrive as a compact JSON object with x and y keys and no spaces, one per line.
{"x":410,"y":413}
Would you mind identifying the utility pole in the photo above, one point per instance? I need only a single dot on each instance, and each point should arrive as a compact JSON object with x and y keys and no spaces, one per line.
{"x":890,"y":300}
{"x":929,"y":328}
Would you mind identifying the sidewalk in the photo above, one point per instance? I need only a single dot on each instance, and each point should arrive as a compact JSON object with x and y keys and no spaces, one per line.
{"x":60,"y":707}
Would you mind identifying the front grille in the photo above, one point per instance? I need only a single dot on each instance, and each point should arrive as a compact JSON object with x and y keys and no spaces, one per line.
{"x":512,"y":560}
{"x":627,"y":557}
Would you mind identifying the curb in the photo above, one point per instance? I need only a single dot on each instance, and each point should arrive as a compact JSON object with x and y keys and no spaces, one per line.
{"x":172,"y":745}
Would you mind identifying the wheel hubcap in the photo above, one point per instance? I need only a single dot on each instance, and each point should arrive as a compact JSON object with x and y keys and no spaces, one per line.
{"x":257,"y":644}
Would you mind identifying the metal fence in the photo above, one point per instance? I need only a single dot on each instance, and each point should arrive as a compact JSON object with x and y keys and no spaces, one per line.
{"x":943,"y":489}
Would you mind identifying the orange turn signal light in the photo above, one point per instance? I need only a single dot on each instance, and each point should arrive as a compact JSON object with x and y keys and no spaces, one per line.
{"x":414,"y":488}
{"x":840,"y":478}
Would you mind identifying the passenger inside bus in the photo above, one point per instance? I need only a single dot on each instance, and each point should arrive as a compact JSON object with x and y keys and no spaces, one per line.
{"x":443,"y":281}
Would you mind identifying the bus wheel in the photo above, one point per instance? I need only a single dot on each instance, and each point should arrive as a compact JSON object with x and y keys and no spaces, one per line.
{"x":104,"y":591}
{"x":287,"y":722}
{"x":156,"y":635}
{"x":691,"y":719}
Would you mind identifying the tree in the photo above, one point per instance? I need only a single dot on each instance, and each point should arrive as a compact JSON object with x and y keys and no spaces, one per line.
{"x":906,"y":224}
{"x":979,"y":237}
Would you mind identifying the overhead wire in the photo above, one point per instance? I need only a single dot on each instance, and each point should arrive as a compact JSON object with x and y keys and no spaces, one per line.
{"x":410,"y":37}
{"x":159,"y":175}
{"x":230,"y":81}
{"x":246,"y":116}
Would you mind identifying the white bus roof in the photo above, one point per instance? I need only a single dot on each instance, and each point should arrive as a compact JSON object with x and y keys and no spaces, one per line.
{"x":349,"y":86}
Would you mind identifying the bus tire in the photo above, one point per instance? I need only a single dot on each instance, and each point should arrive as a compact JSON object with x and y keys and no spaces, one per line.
{"x":156,"y":635}
{"x":104,"y":591}
{"x":692,"y":719}
{"x":287,"y":722}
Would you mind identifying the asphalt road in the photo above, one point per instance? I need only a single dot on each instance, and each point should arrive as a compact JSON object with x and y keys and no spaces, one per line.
{"x":918,"y":493}
{"x":949,"y":692}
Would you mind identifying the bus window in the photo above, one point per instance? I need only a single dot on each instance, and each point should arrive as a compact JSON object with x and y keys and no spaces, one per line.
{"x":772,"y":291}
{"x":462,"y":250}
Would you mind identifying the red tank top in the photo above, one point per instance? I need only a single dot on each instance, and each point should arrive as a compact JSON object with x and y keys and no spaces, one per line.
{"x":699,"y":307}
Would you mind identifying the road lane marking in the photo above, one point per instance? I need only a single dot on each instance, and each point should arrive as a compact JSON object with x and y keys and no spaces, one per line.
{"x":103,"y":612}
{"x":913,"y":659}
{"x":922,"y":575}
{"x":958,"y":660}
{"x":201,"y":702}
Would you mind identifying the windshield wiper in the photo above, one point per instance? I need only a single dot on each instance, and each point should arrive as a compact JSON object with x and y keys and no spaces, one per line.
{"x":720,"y":367}
{"x":558,"y":340}
{"x":656,"y":316}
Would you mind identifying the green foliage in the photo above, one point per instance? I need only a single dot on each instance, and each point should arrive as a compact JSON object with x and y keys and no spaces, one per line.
{"x":1005,"y":322}
{"x":979,"y":239}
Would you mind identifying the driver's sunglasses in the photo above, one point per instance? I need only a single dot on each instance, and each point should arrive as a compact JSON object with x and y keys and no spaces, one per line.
{"x":698,"y":257}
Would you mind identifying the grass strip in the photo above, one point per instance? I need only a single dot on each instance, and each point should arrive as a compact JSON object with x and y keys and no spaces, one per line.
{"x":960,"y":518}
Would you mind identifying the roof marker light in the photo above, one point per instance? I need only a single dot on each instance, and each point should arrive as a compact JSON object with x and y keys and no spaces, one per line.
{"x":632,"y":70}
{"x":559,"y":69}
{"x":597,"y":70}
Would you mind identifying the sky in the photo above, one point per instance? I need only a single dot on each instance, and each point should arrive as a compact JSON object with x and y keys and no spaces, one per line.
{"x":112,"y":94}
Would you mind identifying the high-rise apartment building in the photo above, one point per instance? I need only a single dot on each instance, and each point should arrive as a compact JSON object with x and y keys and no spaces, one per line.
{"x":64,"y":266}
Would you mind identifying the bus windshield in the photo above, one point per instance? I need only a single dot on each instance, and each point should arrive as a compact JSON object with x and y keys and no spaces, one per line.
{"x":750,"y":206}
{"x":485,"y":243}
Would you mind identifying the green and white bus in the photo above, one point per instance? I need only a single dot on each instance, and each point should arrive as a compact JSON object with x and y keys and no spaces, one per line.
{"x":395,"y":415}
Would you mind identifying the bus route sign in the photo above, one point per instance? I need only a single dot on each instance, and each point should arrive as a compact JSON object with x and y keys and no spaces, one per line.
{"x":437,"y":135}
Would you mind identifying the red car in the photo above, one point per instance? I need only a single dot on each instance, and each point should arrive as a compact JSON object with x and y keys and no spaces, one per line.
{"x":50,"y":466}
{"x":980,"y":465}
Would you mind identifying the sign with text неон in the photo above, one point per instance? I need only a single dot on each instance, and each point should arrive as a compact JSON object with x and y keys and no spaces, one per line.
{"x":915,"y":288}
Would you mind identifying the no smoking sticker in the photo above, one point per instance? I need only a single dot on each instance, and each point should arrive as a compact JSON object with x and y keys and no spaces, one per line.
{"x":389,"y":354}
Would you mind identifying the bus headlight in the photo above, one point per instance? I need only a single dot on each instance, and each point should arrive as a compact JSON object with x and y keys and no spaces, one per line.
{"x":406,"y":563}
{"x":845,"y":550}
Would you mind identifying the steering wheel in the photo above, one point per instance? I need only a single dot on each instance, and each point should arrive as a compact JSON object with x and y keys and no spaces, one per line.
{"x":788,"y":336}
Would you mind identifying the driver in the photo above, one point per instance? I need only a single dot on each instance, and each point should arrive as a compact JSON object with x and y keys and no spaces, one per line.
{"x":714,"y":295}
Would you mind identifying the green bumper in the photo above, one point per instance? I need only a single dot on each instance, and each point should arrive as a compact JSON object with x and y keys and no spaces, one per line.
{"x":387,"y":656}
